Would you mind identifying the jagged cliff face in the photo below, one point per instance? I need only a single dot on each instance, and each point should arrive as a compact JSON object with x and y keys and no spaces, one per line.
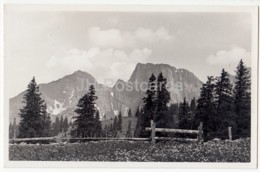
{"x":62,"y":95}
{"x":181,"y":82}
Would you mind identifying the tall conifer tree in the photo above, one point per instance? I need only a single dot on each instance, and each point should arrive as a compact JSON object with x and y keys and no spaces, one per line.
{"x":56,"y":126}
{"x":115,"y":123}
{"x":162,"y":116}
{"x":46,"y":120}
{"x":206,"y":111}
{"x":85,"y":121}
{"x":193,"y":105}
{"x":98,"y":125}
{"x":148,"y":110}
{"x":163,"y":95}
{"x":31,"y":123}
{"x":224,"y":105}
{"x":65,"y":124}
{"x":119,"y":122}
{"x":184,"y":115}
{"x":242,"y":100}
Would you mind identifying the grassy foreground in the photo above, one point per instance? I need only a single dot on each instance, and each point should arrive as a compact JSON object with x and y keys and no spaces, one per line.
{"x":171,"y":151}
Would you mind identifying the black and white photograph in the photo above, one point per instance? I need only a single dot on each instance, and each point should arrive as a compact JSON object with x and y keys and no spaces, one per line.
{"x":106,"y":84}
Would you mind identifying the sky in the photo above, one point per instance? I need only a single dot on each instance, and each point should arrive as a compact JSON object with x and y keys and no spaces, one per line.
{"x":108,"y":45}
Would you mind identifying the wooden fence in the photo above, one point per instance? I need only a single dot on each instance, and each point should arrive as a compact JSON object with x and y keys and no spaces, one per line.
{"x":153,"y":130}
{"x":152,"y":139}
{"x":71,"y":140}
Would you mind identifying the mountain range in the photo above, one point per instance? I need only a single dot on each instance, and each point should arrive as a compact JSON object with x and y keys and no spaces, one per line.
{"x":62,"y":95}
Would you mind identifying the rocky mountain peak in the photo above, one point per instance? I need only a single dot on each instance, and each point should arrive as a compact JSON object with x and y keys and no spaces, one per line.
{"x":63,"y":94}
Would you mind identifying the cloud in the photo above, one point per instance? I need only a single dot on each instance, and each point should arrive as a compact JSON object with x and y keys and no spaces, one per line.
{"x":106,"y":38}
{"x":230,"y":57}
{"x":114,"y":38}
{"x":109,"y":64}
{"x":147,"y":35}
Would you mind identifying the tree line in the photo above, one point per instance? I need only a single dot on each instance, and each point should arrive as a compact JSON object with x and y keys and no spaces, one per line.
{"x":112,"y":129}
{"x":53,"y":129}
{"x":60,"y":125}
{"x":219,"y":106}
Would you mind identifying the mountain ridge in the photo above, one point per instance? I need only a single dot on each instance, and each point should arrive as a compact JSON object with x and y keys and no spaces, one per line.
{"x":62,"y":95}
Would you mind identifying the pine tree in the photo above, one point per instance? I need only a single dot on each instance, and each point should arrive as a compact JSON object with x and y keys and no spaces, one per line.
{"x":242,"y":100}
{"x":155,"y":106}
{"x":86,"y":110}
{"x":46,"y":121}
{"x":31,"y":124}
{"x":56,"y":126}
{"x":129,"y":130}
{"x":174,"y":113}
{"x":184,"y":115}
{"x":119,"y":122}
{"x":224,"y":105}
{"x":114,"y":129}
{"x":61,"y":124}
{"x":137,"y":112}
{"x":11,"y":131}
{"x":98,"y":125}
{"x":129,"y":113}
{"x":162,"y":117}
{"x":148,"y":110}
{"x":65,"y":124}
{"x":193,"y":112}
{"x":139,"y":123}
{"x":193,"y":105}
{"x":111,"y":127}
{"x":205,"y":111}
{"x":105,"y":130}
{"x":163,"y":95}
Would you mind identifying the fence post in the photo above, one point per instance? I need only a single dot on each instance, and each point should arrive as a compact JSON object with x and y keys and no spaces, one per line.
{"x":153,"y":132}
{"x":200,"y":137}
{"x":230,"y":133}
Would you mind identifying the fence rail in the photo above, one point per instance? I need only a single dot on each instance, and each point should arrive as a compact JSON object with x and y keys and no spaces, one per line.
{"x":176,"y":139}
{"x":104,"y":138}
{"x":55,"y":139}
{"x":165,"y":130}
{"x":153,"y":130}
{"x":34,"y":140}
{"x":20,"y":140}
